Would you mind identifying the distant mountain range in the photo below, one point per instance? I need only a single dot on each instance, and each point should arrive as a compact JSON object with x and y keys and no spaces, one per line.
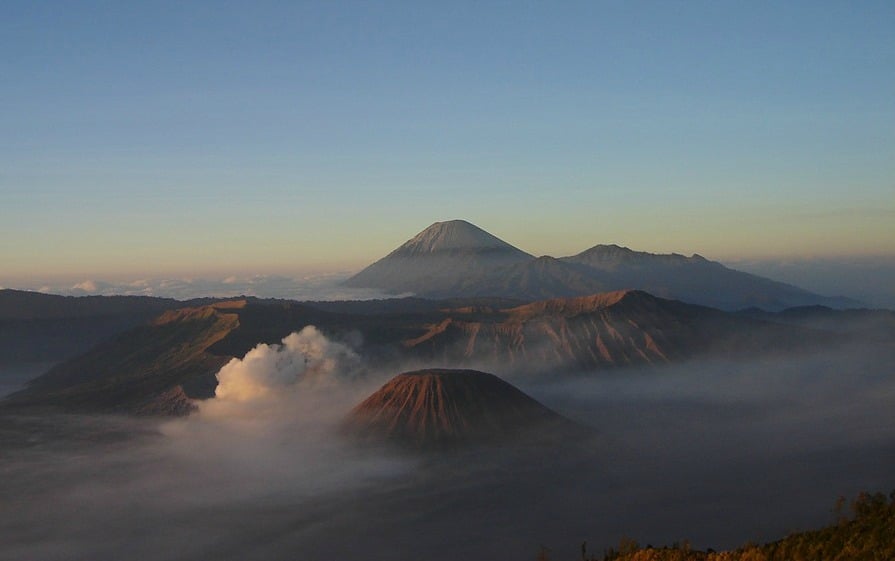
{"x":458,"y":259}
{"x":161,"y":366}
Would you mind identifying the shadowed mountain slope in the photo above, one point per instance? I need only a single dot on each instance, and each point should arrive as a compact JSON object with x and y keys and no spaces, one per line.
{"x":457,"y":259}
{"x":438,"y":408}
{"x":154,"y":368}
{"x":37,"y":327}
{"x":535,"y":279}
{"x":868,"y":534}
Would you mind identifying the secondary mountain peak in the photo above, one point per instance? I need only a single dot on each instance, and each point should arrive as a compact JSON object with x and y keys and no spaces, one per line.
{"x":455,"y":236}
{"x":607,"y":256}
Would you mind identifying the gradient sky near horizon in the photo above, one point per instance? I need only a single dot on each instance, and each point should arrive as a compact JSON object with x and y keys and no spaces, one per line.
{"x":151,"y":138}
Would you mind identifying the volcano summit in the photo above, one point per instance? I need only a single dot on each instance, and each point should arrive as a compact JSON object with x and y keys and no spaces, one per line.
{"x":441,"y":258}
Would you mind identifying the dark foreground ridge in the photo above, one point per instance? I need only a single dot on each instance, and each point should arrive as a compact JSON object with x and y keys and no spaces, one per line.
{"x":868,"y":534}
{"x":441,"y":408}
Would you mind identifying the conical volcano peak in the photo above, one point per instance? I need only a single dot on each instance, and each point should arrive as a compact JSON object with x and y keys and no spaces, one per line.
{"x":428,"y":409}
{"x":438,"y":260}
{"x":453,"y":236}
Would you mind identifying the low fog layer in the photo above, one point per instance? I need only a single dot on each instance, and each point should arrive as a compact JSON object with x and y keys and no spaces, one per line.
{"x":717,"y":452}
{"x":314,"y":287}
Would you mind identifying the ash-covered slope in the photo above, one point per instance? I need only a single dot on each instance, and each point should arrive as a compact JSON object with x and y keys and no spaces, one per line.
{"x":439,"y":261}
{"x":439,"y":408}
{"x":535,"y":279}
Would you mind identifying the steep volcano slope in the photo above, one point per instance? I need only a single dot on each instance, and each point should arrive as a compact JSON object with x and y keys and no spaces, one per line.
{"x":603,"y":330}
{"x":440,"y":408}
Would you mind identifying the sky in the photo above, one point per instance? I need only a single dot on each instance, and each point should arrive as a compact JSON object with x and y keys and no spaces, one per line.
{"x":199,"y":138}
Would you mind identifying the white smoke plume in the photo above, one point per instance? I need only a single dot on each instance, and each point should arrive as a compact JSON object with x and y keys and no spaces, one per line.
{"x":272,"y":426}
{"x":307,"y":380}
{"x":306,"y":359}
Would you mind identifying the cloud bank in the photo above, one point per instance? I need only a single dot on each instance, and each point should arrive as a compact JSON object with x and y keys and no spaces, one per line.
{"x":317,"y":287}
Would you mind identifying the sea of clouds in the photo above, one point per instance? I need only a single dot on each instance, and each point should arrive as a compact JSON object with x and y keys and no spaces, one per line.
{"x":306,"y":287}
{"x":720,"y":452}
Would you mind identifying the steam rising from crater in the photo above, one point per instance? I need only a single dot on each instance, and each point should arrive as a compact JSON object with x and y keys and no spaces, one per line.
{"x":306,"y":358}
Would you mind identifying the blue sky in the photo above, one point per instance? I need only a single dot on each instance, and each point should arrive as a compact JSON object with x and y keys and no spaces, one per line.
{"x":152,"y":138}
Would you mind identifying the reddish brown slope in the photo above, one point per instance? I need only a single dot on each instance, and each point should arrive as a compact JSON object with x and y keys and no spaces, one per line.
{"x":439,"y":408}
{"x":609,"y":329}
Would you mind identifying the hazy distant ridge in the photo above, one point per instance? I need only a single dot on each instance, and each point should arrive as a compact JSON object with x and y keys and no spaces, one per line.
{"x":458,"y":259}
